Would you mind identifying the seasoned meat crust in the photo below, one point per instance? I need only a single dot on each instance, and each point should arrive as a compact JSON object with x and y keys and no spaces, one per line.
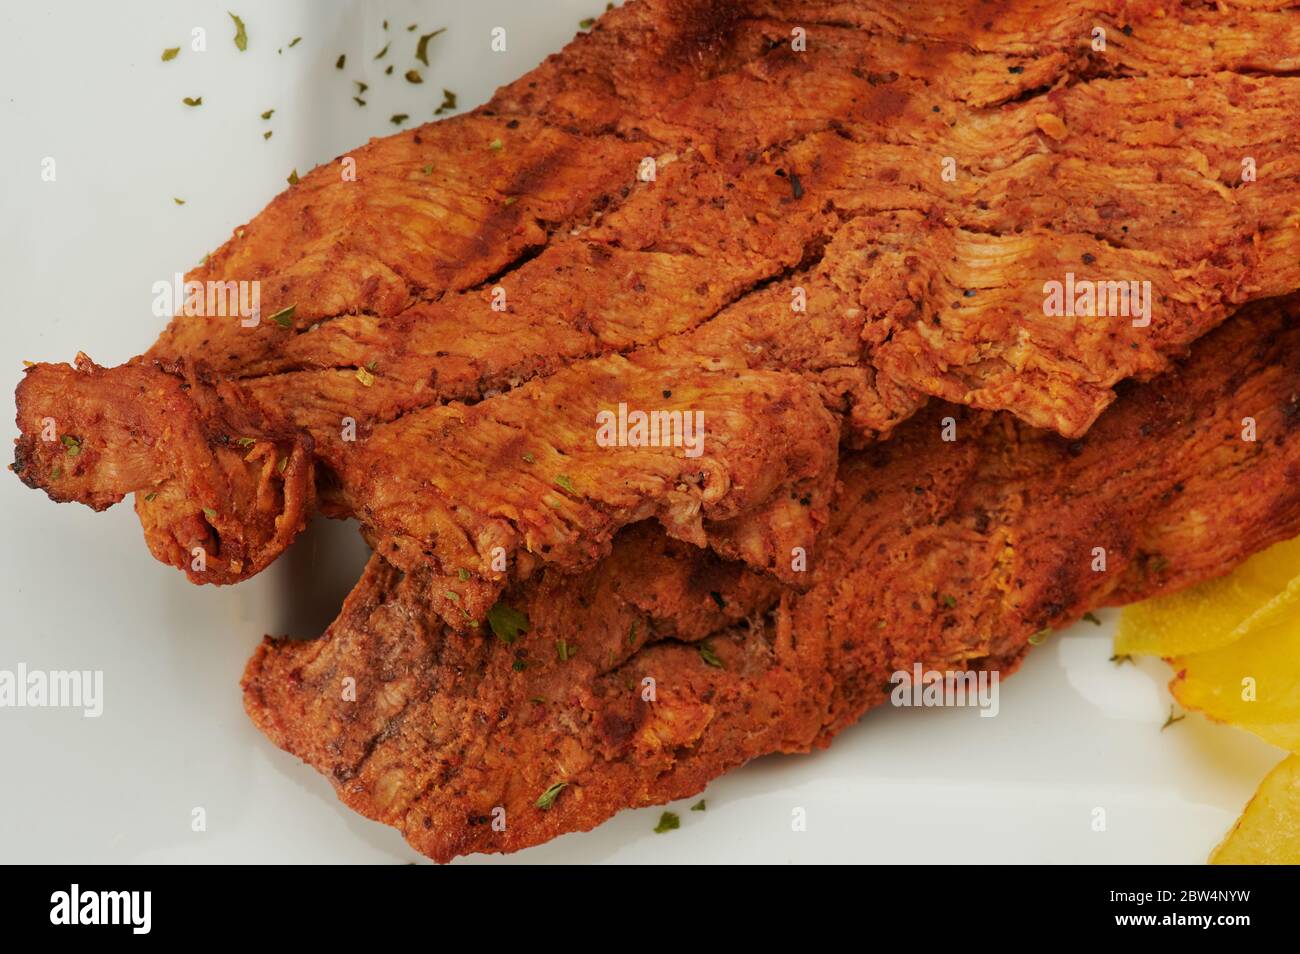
{"x":950,"y":554}
{"x":647,"y":207}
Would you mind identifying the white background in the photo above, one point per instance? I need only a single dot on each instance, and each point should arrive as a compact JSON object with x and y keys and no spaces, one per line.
{"x":83,"y":83}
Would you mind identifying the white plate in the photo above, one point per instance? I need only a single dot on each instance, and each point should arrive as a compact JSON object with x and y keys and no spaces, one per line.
{"x":83,"y":84}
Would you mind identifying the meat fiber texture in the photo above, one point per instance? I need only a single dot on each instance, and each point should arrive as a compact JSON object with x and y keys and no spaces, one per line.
{"x":637,"y":682}
{"x":804,"y":220}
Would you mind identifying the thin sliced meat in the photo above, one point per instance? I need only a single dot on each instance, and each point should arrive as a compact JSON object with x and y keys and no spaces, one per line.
{"x":484,"y":493}
{"x":918,"y":185}
{"x":220,"y":489}
{"x":640,"y":681}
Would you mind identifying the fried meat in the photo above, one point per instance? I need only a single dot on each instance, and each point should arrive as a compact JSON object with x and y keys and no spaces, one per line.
{"x":639,"y":681}
{"x":912,"y":177}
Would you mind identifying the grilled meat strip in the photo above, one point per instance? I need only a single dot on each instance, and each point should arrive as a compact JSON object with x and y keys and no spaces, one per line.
{"x":211,"y":499}
{"x":1123,"y":164}
{"x":947,"y":553}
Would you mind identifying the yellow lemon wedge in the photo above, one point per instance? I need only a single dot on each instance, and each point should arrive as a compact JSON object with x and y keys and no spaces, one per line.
{"x":1268,"y":832}
{"x":1253,"y":683}
{"x":1263,"y":590}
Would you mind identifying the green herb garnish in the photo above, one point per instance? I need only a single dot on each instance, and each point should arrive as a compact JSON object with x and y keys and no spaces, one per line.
{"x":451,"y":595}
{"x":529,"y":458}
{"x":1171,"y":720}
{"x":549,"y":796}
{"x":149,"y":496}
{"x":587,"y":24}
{"x":496,"y":145}
{"x":171,"y":53}
{"x":1092,"y":619}
{"x":365,"y":377}
{"x":338,"y":64}
{"x":241,"y":35}
{"x":246,"y":441}
{"x":178,"y":201}
{"x":564,"y":483}
{"x":358,"y":100}
{"x":209,"y":513}
{"x":1039,"y":637}
{"x":413,"y":76}
{"x":699,"y":806}
{"x":507,"y":622}
{"x":361,"y":87}
{"x":1120,"y":659}
{"x":267,"y":134}
{"x":564,"y":651}
{"x":71,"y":446}
{"x":949,"y":600}
{"x":448,"y":103}
{"x":462,"y":574}
{"x":710,"y":657}
{"x":384,"y":52}
{"x":193,"y":100}
{"x":398,"y":118}
{"x":268,"y":114}
{"x":294,"y":42}
{"x":284,"y":317}
{"x":667,"y":822}
{"x":422,"y":47}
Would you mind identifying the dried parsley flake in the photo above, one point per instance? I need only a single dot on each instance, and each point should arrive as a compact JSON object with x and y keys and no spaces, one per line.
{"x":507,"y":622}
{"x":549,"y":796}
{"x":241,"y":34}
{"x":422,"y":47}
{"x":668,"y":821}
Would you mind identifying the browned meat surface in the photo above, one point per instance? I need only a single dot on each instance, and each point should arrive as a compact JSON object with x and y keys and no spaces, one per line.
{"x":776,"y":169}
{"x":525,"y":474}
{"x":950,"y":554}
{"x":211,"y":499}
